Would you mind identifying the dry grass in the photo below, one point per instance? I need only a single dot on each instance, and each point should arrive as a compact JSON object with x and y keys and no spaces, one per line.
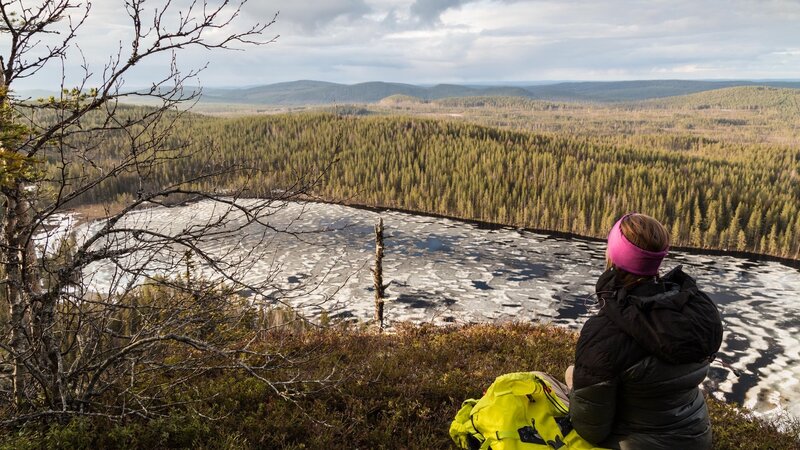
{"x":397,"y":390}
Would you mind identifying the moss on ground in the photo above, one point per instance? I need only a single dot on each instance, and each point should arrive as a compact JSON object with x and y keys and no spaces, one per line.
{"x":395,"y":390}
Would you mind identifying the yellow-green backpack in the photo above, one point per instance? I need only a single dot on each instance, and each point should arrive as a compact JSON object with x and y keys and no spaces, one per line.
{"x":519,"y":411}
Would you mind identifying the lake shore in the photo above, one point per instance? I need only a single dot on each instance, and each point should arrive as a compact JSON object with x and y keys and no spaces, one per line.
{"x":92,"y":212}
{"x":794,"y":263}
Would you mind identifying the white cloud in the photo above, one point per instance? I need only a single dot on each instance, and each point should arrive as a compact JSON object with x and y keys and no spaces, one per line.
{"x":309,"y":16}
{"x":482,"y":40}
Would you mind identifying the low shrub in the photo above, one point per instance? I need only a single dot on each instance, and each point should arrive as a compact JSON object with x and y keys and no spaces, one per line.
{"x":392,"y":390}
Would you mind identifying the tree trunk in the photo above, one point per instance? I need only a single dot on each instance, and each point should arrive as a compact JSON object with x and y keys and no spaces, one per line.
{"x":36,"y":351}
{"x":377,"y":274}
{"x":15,"y":294}
{"x":47,"y":351}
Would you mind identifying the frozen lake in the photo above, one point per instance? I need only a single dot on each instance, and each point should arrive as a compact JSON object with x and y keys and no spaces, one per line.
{"x":450,"y":272}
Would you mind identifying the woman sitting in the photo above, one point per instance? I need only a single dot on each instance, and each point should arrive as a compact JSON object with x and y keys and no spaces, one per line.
{"x":640,"y":359}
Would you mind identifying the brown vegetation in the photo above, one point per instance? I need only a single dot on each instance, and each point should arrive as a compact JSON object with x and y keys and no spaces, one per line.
{"x":401,"y":390}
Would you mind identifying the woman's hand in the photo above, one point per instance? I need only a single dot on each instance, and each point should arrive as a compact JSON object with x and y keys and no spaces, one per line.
{"x":568,"y":377}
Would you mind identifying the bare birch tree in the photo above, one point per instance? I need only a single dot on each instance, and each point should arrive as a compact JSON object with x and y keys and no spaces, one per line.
{"x":65,"y":348}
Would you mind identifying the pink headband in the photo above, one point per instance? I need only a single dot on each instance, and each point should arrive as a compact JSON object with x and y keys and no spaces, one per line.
{"x":630,"y":258}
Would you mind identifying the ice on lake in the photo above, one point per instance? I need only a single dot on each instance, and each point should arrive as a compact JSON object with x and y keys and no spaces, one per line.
{"x":449,"y":272}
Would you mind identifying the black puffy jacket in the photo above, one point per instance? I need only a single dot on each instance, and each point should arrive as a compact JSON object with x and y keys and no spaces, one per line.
{"x":639,"y":362}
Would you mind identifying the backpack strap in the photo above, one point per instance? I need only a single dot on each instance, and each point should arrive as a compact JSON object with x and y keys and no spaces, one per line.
{"x":500,"y":435}
{"x":463,"y":431}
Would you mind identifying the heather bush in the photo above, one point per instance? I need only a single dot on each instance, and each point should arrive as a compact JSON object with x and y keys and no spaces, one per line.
{"x":398,"y":390}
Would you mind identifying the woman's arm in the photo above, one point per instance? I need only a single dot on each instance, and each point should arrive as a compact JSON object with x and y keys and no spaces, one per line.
{"x":602,"y":349}
{"x":592,"y":409}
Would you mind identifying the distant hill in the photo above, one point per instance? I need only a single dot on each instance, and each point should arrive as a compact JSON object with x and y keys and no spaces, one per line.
{"x":620,"y":91}
{"x":526,"y":103}
{"x":740,"y":97}
{"x":307,"y":92}
{"x":316,"y":92}
{"x":400,"y":99}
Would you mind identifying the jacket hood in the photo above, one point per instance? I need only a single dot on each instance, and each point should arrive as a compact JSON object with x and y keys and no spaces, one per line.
{"x":670,"y":317}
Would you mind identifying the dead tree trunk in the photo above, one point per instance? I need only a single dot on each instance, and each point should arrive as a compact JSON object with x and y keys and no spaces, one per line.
{"x":14,"y":213}
{"x":14,"y":293}
{"x":377,"y":274}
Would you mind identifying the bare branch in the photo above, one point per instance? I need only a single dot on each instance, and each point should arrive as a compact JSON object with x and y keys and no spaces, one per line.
{"x":75,"y":350}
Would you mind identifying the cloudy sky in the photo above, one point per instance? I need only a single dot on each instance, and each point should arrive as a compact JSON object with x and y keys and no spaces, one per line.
{"x":432,"y":41}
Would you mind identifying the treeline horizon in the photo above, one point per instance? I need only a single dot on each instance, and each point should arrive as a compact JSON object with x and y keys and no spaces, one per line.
{"x":710,"y":194}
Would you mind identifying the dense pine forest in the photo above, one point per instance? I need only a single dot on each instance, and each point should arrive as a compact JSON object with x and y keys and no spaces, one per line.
{"x":712,"y":194}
